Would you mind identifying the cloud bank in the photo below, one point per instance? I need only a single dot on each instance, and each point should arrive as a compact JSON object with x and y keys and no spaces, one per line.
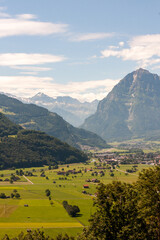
{"x":30,"y":68}
{"x":145,"y":50}
{"x":90,"y":36}
{"x":29,"y":85}
{"x":18,"y":59}
{"x":27,"y":24}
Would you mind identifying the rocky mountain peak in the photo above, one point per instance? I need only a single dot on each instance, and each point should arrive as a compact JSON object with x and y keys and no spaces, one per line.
{"x":41,"y":97}
{"x":131,"y":109}
{"x":40,"y":94}
{"x":141,"y":70}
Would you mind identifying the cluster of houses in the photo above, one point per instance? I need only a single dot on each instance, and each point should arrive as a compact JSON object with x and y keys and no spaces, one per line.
{"x":108,"y":160}
{"x":94,"y":180}
{"x":127,"y":158}
{"x":65,"y":173}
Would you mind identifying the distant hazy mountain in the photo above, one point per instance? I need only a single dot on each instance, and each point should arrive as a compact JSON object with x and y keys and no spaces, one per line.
{"x":130,"y":110}
{"x":31,"y":116}
{"x":8,"y":94}
{"x":72,"y":110}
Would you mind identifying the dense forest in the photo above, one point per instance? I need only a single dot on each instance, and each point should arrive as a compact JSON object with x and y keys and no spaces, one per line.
{"x":7,"y":127}
{"x":27,"y":148}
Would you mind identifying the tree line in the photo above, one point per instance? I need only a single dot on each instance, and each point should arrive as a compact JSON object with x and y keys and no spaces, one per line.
{"x":72,"y":210}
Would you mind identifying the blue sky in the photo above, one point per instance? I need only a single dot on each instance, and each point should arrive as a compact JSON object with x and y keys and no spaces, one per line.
{"x":76,"y":48}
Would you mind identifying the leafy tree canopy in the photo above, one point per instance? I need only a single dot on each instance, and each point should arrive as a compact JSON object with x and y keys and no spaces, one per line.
{"x":127,"y":211}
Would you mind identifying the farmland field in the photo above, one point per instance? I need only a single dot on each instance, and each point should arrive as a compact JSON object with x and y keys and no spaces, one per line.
{"x":35,"y":210}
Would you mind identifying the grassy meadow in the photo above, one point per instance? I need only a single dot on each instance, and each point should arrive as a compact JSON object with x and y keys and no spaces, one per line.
{"x":50,"y":215}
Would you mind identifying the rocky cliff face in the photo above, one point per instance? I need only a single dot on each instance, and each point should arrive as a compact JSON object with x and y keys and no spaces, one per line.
{"x":130,"y":110}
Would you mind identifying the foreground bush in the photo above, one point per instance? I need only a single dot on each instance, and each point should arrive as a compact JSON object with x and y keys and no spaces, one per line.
{"x":71,"y":210}
{"x":37,"y":235}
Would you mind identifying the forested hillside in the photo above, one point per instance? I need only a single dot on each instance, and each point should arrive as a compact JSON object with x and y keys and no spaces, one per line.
{"x":28,"y":148}
{"x":7,"y":127}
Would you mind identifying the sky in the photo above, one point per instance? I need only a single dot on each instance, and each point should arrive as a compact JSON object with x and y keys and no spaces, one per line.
{"x":77,"y":48}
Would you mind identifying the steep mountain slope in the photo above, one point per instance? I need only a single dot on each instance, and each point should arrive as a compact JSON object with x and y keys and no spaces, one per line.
{"x":38,"y":118}
{"x":28,"y":148}
{"x":72,"y":110}
{"x":7,"y":127}
{"x":131,"y":109}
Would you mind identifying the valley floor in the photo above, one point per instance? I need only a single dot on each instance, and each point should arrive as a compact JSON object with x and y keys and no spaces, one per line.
{"x":35,"y":210}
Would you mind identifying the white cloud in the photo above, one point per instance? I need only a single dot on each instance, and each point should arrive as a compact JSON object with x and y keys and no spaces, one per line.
{"x":90,"y":36}
{"x":26,"y":16}
{"x":145,"y":50}
{"x":15,"y":59}
{"x":156,"y":67}
{"x":121,"y":44}
{"x":4,"y":15}
{"x":113,"y":47}
{"x":23,"y":84}
{"x":30,"y":68}
{"x":89,"y":85}
{"x":29,"y":85}
{"x":93,"y":57}
{"x":29,"y":73}
{"x":89,"y":97}
{"x":110,"y":53}
{"x":26,"y":24}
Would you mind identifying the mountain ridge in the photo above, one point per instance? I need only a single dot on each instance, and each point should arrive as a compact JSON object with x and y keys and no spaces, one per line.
{"x":31,"y":116}
{"x":71,"y":109}
{"x":130,"y":110}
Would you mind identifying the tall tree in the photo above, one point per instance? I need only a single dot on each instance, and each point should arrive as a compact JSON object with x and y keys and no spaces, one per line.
{"x":148,"y":186}
{"x":117,"y":215}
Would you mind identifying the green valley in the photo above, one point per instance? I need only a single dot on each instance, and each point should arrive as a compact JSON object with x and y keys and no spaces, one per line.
{"x":35,"y":210}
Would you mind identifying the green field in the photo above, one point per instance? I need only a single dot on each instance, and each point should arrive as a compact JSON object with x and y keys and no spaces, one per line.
{"x":53,"y":218}
{"x":146,"y":145}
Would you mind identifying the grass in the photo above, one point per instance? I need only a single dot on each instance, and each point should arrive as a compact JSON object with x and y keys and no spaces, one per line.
{"x":27,"y":123}
{"x":53,"y":232}
{"x":9,"y":187}
{"x":6,"y":210}
{"x":41,"y":225}
{"x":146,"y":145}
{"x":4,"y":111}
{"x":15,"y":217}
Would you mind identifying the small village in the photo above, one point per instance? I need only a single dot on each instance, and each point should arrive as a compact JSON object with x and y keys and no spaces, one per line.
{"x":138,"y":157}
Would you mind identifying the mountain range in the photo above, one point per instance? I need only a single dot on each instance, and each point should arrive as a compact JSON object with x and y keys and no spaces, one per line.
{"x":31,"y":116}
{"x":71,"y":109}
{"x":130,"y":110}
